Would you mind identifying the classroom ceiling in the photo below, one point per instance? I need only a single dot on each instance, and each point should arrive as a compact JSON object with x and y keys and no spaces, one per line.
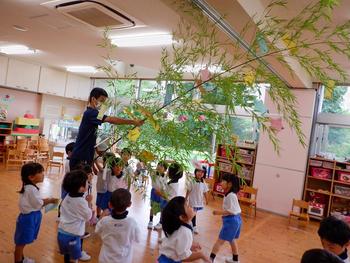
{"x":64,"y":41}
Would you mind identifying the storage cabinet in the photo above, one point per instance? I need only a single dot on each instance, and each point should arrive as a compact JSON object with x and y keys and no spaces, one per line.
{"x":327,"y":187}
{"x":3,"y":69}
{"x":77,"y":87}
{"x":23,"y":75}
{"x":238,"y":159}
{"x":52,"y":82}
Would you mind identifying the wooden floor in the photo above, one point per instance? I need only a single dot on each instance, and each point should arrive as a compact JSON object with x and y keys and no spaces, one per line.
{"x":267,"y":238}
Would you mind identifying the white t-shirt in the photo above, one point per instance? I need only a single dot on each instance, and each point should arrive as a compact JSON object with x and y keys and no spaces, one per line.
{"x":178,"y":245}
{"x":114,"y":183}
{"x":117,"y":237}
{"x":75,"y":212}
{"x":231,"y":204}
{"x":101,"y":185}
{"x":159,"y":182}
{"x":173,"y":190}
{"x":30,"y":200}
{"x":196,"y":193}
{"x":66,"y":167}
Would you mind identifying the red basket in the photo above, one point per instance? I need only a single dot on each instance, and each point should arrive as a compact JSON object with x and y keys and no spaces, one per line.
{"x":321,"y":173}
{"x":344,"y":177}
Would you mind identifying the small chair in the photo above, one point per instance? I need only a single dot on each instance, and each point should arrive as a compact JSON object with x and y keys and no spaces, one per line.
{"x":248,"y":197}
{"x":210,"y":182}
{"x":14,"y":159}
{"x":301,"y":212}
{"x":56,"y":161}
{"x":43,"y":154}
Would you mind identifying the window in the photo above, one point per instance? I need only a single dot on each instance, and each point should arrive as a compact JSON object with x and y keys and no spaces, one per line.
{"x":244,"y":128}
{"x":151,"y":89}
{"x":339,"y":103}
{"x":122,"y":88}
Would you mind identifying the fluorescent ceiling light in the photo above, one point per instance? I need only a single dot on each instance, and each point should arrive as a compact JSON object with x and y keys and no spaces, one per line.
{"x":196,"y":68}
{"x":140,"y":40}
{"x":81,"y":69}
{"x":16,"y":50}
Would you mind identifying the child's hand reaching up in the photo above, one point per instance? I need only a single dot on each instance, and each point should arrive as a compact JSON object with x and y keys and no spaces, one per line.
{"x":195,"y":247}
{"x":88,"y":198}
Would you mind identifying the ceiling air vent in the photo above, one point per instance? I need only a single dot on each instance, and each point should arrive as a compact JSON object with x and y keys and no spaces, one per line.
{"x":93,"y":13}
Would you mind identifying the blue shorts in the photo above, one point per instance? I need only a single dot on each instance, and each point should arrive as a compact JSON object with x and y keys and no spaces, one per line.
{"x":27,"y":227}
{"x":100,"y":200}
{"x":69,"y":244}
{"x":163,"y":203}
{"x":154,"y":197}
{"x":103,"y":203}
{"x":231,"y":227}
{"x":63,"y":193}
{"x":165,"y":259}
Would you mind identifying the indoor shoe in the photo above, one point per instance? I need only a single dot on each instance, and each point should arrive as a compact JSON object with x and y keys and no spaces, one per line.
{"x":28,"y":260}
{"x":84,"y":256}
{"x":150,"y":225}
{"x":230,"y":260}
{"x":158,"y":226}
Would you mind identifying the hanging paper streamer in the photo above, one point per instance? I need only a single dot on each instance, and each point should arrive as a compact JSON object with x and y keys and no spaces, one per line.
{"x":183,"y":118}
{"x":148,"y":115}
{"x":51,"y":207}
{"x":291,"y":45}
{"x":147,"y":156}
{"x":134,"y":134}
{"x":276,"y":123}
{"x":249,"y":78}
{"x":104,"y":107}
{"x":262,"y":44}
{"x":168,"y":94}
{"x":201,"y":117}
{"x":328,"y":90}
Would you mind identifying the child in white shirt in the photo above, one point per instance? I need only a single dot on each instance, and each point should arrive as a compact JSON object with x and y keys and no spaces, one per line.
{"x":30,"y":204}
{"x":231,"y":217}
{"x":118,"y":231}
{"x":319,"y":256}
{"x":75,"y":212}
{"x":127,"y":170}
{"x":178,"y":244}
{"x":175,"y":173}
{"x":196,"y":192}
{"x":158,"y":186}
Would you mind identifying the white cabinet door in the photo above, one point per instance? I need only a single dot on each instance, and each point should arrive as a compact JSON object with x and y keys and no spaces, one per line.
{"x":77,"y":87}
{"x":52,"y":81}
{"x":23,"y":75}
{"x":84,"y":89}
{"x":3,"y":69}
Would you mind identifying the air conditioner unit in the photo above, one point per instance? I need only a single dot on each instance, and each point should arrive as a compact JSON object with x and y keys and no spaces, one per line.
{"x":96,"y":14}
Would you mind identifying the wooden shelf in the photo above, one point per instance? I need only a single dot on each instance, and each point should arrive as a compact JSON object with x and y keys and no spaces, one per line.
{"x":318,"y":191}
{"x":316,"y":217}
{"x":322,"y":159}
{"x":341,"y":182}
{"x":341,"y":196}
{"x":320,"y":179}
{"x":244,"y":163}
{"x":24,"y":134}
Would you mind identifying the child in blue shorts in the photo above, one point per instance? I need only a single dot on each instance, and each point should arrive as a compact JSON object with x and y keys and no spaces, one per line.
{"x":231,"y":217}
{"x":30,"y":204}
{"x":75,"y":212}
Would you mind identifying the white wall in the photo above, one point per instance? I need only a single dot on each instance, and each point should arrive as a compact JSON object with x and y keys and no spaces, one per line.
{"x":280,"y":178}
{"x":53,"y":108}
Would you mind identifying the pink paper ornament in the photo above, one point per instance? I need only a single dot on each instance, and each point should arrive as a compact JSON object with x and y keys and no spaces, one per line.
{"x":205,"y":74}
{"x":201,"y":117}
{"x":276,"y":123}
{"x":183,"y":118}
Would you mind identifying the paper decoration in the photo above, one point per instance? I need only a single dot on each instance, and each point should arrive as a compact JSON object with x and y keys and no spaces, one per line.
{"x":329,"y":88}
{"x":147,"y":156}
{"x":204,"y":74}
{"x":183,"y":118}
{"x":104,"y":107}
{"x":134,"y":134}
{"x":262,"y":44}
{"x":202,"y":117}
{"x":51,"y":207}
{"x":149,"y":116}
{"x":249,"y":78}
{"x":276,"y":123}
{"x":290,"y":44}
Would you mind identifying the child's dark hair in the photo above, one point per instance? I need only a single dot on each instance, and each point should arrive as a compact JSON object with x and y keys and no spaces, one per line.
{"x":204,"y":169}
{"x":234,"y":180}
{"x":126,"y":150}
{"x":70,"y":147}
{"x":97,"y":92}
{"x":74,"y":180}
{"x":120,"y":200}
{"x":171,"y":215}
{"x":175,"y":172}
{"x":334,"y":230}
{"x":27,"y":170}
{"x":84,"y":167}
{"x":319,"y":256}
{"x":164,"y":164}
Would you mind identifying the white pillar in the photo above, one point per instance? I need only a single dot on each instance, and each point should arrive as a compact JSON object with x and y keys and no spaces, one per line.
{"x":280,"y":178}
